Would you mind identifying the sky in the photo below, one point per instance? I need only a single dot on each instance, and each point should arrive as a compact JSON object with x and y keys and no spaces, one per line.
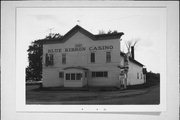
{"x":147,"y":25}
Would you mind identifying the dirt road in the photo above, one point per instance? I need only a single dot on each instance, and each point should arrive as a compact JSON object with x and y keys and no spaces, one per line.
{"x":139,"y":96}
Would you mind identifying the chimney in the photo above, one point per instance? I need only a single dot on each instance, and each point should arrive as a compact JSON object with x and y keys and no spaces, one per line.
{"x":132,"y":52}
{"x":144,"y":71}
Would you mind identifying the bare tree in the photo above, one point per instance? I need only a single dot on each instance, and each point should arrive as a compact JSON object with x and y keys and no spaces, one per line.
{"x":131,"y":43}
{"x":53,"y":36}
{"x":128,"y":45}
{"x":109,"y":32}
{"x":112,"y":32}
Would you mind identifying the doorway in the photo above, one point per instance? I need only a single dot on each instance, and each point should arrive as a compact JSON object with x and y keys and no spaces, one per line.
{"x":73,"y":79}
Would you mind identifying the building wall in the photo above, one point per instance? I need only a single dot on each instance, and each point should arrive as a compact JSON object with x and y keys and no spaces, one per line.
{"x":135,"y":74}
{"x":51,"y":78}
{"x":74,"y":83}
{"x":111,"y":80}
{"x":82,"y":58}
{"x":133,"y":70}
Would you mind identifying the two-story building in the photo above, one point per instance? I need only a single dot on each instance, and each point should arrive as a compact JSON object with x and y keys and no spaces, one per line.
{"x":80,"y":59}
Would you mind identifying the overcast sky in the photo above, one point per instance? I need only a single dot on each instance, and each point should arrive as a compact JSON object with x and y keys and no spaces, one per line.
{"x":144,"y":24}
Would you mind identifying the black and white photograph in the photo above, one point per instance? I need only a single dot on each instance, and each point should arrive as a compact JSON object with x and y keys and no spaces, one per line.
{"x":111,"y":60}
{"x":91,"y":55}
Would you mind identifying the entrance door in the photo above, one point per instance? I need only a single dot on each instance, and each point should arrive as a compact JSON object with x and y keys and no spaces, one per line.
{"x":73,"y":79}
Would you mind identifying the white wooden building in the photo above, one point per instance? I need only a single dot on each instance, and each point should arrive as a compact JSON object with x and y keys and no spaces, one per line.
{"x":81,"y":59}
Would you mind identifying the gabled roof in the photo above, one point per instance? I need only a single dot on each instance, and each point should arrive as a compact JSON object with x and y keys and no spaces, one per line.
{"x":131,"y":59}
{"x":78,"y":28}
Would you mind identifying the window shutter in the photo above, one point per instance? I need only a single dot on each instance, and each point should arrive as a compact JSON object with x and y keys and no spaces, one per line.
{"x":52,"y":59}
{"x":47,"y":60}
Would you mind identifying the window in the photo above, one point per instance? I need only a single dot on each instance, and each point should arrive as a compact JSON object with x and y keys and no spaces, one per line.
{"x":92,"y":57}
{"x":137,"y":75}
{"x":78,"y":76}
{"x":49,"y":60}
{"x":105,"y":74}
{"x":73,"y":76}
{"x":61,"y":74}
{"x":67,"y":76}
{"x":64,"y":58}
{"x":93,"y":74}
{"x":100,"y":74}
{"x":108,"y":57}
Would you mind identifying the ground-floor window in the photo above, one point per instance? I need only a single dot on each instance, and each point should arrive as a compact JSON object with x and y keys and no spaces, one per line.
{"x":78,"y":76}
{"x":100,"y":74}
{"x":67,"y":76}
{"x":73,"y":76}
{"x":61,"y":74}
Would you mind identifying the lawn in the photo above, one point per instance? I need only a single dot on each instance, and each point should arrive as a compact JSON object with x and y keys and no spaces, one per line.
{"x":150,"y":95}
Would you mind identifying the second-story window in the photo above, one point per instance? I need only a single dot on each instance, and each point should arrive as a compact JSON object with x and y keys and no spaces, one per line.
{"x":92,"y":57}
{"x":49,"y":60}
{"x":108,"y":57}
{"x":64,"y":58}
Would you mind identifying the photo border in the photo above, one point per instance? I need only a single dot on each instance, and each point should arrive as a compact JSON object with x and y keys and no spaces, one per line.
{"x":8,"y":68}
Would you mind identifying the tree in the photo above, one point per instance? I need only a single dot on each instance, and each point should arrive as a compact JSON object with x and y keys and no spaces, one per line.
{"x":53,"y":36}
{"x":35,"y":52}
{"x":152,"y":78}
{"x":112,"y":32}
{"x":131,"y":43}
{"x":109,"y":32}
{"x":101,"y":32}
{"x":34,"y":70}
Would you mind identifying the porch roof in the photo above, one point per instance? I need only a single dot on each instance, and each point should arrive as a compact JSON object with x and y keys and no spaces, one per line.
{"x":76,"y":67}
